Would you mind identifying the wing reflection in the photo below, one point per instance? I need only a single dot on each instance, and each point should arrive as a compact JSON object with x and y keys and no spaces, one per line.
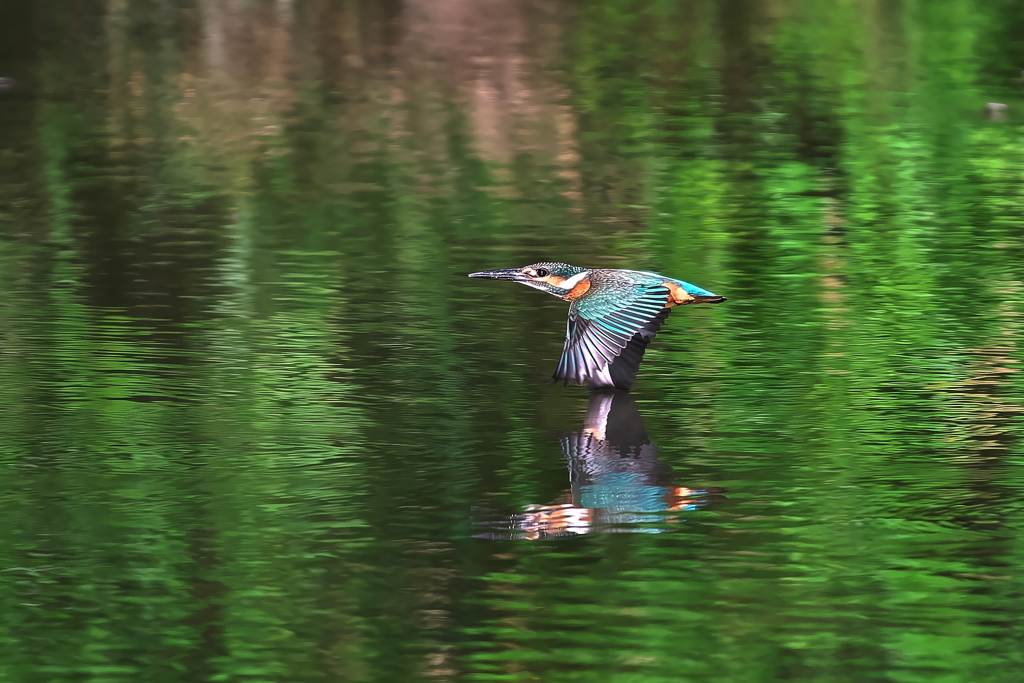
{"x":617,"y":483}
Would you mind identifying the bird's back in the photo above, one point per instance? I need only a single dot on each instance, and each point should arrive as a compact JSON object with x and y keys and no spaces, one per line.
{"x":646,"y":277}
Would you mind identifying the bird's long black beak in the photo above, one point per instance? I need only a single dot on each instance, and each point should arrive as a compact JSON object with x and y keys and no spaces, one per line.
{"x":514,"y":274}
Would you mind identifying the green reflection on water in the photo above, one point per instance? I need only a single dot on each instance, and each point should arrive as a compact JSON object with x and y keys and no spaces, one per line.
{"x":252,"y":404}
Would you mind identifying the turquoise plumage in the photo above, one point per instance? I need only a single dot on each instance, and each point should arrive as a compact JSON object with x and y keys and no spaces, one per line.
{"x":613,"y":315}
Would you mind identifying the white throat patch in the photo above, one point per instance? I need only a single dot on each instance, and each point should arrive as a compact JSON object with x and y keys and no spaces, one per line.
{"x":574,"y":280}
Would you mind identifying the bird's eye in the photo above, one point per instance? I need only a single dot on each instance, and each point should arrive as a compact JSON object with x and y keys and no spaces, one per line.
{"x":543,"y":272}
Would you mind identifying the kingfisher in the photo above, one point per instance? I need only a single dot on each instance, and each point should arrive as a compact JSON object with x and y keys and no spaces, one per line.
{"x":613,"y":316}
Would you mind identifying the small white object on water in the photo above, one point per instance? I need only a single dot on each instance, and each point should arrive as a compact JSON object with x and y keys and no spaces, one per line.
{"x":995,"y":111}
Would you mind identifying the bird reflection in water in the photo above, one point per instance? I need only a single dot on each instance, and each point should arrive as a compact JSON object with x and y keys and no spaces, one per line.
{"x":617,"y":482}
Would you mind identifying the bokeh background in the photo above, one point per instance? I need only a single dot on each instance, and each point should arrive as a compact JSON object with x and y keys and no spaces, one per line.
{"x":251,"y":406}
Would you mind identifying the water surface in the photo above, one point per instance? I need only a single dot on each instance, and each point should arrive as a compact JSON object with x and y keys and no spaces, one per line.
{"x":258,"y":426}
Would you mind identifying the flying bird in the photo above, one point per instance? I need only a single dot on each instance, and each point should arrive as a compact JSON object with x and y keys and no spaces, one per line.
{"x":613,"y":315}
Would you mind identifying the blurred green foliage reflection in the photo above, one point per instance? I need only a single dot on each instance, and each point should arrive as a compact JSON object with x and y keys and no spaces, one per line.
{"x":251,"y":401}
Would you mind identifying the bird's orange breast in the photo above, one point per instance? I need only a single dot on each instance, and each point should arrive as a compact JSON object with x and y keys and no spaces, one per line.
{"x":579,"y":290}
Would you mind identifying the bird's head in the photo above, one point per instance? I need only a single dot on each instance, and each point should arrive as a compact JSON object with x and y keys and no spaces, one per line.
{"x":553,"y":278}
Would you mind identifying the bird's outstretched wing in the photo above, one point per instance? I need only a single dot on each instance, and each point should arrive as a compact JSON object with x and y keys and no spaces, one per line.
{"x":607,"y":335}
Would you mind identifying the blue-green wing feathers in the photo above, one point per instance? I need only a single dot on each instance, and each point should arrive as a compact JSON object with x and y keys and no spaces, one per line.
{"x":608,"y":333}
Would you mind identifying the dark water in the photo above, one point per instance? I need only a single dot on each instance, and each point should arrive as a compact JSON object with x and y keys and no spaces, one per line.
{"x":258,"y":426}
